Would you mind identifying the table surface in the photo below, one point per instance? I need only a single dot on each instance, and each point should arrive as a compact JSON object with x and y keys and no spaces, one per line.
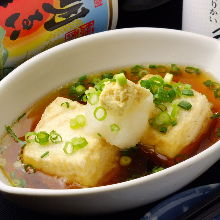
{"x":168,"y":15}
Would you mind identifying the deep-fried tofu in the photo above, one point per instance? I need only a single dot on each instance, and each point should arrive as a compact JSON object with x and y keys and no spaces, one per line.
{"x":87,"y":166}
{"x":190,"y":125}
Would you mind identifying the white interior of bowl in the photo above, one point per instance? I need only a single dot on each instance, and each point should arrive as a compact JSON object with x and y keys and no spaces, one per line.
{"x":105,"y":51}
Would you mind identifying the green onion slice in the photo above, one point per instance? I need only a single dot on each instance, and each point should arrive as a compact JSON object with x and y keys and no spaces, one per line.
{"x":80,"y":89}
{"x":93,"y":98}
{"x":114,"y":128}
{"x":45,"y":154}
{"x":125,"y":161}
{"x":168,"y":78}
{"x":185,"y":105}
{"x":217,"y":93}
{"x":68,"y":148}
{"x":100,"y":113}
{"x":78,"y":143}
{"x":121,"y":79}
{"x":161,"y":107}
{"x":157,"y":169}
{"x":55,"y":137}
{"x":65,"y":104}
{"x":13,"y":135}
{"x":187,"y":92}
{"x":174,"y":69}
{"x":30,"y":137}
{"x":215,"y":115}
{"x":191,"y":69}
{"x":78,"y":122}
{"x":42,"y":137}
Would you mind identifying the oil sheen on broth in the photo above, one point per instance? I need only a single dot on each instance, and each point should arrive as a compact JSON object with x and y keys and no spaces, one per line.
{"x":134,"y":162}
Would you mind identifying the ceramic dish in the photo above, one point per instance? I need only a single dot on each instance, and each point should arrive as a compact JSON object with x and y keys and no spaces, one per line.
{"x":96,"y":53}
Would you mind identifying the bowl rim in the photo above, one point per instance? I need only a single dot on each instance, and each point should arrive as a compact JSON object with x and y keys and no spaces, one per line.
{"x":123,"y":185}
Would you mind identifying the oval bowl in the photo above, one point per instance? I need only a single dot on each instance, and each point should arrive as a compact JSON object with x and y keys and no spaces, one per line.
{"x":99,"y":52}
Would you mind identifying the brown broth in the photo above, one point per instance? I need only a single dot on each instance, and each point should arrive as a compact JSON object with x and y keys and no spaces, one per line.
{"x":143,"y":161}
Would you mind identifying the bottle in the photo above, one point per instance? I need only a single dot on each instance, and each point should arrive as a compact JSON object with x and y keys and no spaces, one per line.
{"x":202,"y":16}
{"x":30,"y":27}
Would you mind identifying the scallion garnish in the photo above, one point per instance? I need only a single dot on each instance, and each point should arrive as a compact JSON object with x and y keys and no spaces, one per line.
{"x":215,"y":115}
{"x":174,"y":69}
{"x":80,"y":89}
{"x":93,"y":98}
{"x":42,"y":138}
{"x":30,"y":137}
{"x":161,"y":107}
{"x":55,"y":137}
{"x":168,"y":78}
{"x":114,"y":128}
{"x":65,"y":104}
{"x":157,"y":169}
{"x":191,"y":69}
{"x":125,"y":161}
{"x":45,"y":154}
{"x":107,"y":76}
{"x":152,"y":66}
{"x":100,"y":113}
{"x":68,"y":148}
{"x":121,"y":79}
{"x":78,"y":122}
{"x":187,"y":92}
{"x":20,"y":117}
{"x":217,"y":93}
{"x":185,"y":105}
{"x":136,"y":69}
{"x":13,"y":135}
{"x":79,"y":143}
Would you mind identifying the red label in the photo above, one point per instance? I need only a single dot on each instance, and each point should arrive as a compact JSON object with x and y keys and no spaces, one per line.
{"x":83,"y":30}
{"x":98,"y":3}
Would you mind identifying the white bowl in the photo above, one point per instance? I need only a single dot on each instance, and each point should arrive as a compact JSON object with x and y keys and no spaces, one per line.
{"x":95,"y":53}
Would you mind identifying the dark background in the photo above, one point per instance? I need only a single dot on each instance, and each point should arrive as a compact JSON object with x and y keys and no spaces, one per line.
{"x":168,"y":15}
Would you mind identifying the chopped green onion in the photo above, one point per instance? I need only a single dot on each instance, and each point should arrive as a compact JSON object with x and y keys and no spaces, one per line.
{"x":29,"y":168}
{"x":93,"y":98}
{"x":185,"y":105}
{"x":137,"y":68}
{"x":188,"y":92}
{"x":55,"y":137}
{"x":82,"y":78}
{"x":20,"y":117}
{"x":187,"y":86}
{"x":142,"y":73}
{"x":65,"y":104}
{"x":114,"y":128}
{"x":174,"y":68}
{"x":80,"y":89}
{"x":99,"y":134}
{"x":13,"y":135}
{"x":42,"y":137}
{"x":163,"y":129}
{"x":168,"y":78}
{"x":125,"y":161}
{"x":218,"y":132}
{"x":152,"y":66}
{"x":121,"y":79}
{"x":100,"y":113}
{"x":30,"y":137}
{"x":161,"y":107}
{"x":174,"y":113}
{"x":78,"y":122}
{"x":162,"y":119}
{"x":45,"y":154}
{"x":217,"y":93}
{"x":68,"y":148}
{"x":190,"y":69}
{"x":107,"y":76}
{"x":78,"y":143}
{"x":157,"y":169}
{"x":215,"y":115}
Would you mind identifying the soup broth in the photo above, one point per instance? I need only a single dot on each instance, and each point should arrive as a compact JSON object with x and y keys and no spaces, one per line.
{"x":142,"y":162}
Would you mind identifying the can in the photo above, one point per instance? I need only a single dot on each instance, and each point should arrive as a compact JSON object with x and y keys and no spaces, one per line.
{"x":30,"y":27}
